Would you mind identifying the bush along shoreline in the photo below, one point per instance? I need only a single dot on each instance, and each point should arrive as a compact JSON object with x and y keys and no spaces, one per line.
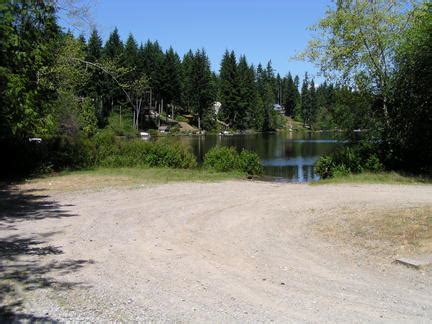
{"x":348,"y":160}
{"x":107,"y":150}
{"x":224,"y":159}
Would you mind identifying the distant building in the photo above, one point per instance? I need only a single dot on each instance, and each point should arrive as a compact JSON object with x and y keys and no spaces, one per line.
{"x":278,"y":108}
{"x":163,"y":129}
{"x":217,"y":106}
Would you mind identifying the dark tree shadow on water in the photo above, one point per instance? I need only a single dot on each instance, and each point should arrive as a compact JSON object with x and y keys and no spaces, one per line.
{"x":28,"y":263}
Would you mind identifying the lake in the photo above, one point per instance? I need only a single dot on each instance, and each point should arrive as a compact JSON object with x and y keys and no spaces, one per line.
{"x":286,"y":156}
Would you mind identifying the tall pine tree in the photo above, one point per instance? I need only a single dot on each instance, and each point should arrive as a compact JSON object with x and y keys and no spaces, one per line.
{"x":229,"y":91}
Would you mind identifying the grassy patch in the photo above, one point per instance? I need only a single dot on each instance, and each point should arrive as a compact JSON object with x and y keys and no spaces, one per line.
{"x":113,"y":177}
{"x":388,"y":232}
{"x":381,"y":177}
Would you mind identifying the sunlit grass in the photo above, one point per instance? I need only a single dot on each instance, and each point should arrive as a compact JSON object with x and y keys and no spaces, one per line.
{"x":386,"y":231}
{"x":101,"y":178}
{"x":377,"y":178}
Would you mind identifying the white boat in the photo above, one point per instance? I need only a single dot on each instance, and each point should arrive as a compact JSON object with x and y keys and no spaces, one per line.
{"x":144,"y":135}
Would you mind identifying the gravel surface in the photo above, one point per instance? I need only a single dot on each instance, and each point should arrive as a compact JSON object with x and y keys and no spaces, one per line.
{"x":234,"y":251}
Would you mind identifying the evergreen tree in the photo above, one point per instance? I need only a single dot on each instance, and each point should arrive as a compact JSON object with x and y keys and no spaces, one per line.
{"x":290,"y":95}
{"x":82,"y":42}
{"x":247,"y":94}
{"x":279,"y":90}
{"x":187,"y":77}
{"x":229,"y":89}
{"x":269,"y":113}
{"x":202,"y":97}
{"x":152,"y":59}
{"x":271,"y":80}
{"x":260,"y":80}
{"x":306,"y":102}
{"x":171,"y":86}
{"x":113,"y":54}
{"x":130,"y":54}
{"x":313,"y":104}
{"x":113,"y":48}
{"x":98,"y":82}
{"x":94,"y":47}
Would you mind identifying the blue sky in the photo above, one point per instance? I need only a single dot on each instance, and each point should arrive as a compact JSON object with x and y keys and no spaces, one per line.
{"x":262,"y":29}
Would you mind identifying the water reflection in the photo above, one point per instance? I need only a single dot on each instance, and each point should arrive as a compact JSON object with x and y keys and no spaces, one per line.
{"x":286,"y":156}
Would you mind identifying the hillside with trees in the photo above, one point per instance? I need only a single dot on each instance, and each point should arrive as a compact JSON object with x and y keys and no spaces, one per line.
{"x":64,"y":88}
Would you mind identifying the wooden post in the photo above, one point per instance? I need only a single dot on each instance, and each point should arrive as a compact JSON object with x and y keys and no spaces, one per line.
{"x":162,"y":107}
{"x":151,"y":102}
{"x":159,"y":116}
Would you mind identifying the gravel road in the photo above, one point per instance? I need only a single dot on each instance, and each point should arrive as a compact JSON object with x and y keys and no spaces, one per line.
{"x":233,"y":251}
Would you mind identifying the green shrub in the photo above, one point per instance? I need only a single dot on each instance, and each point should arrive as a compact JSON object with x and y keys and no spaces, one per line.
{"x":106,"y":144}
{"x":64,"y":152}
{"x":346,"y":160}
{"x":140,"y":153}
{"x":180,"y":118}
{"x":374,"y":164}
{"x":175,"y":129}
{"x":250,"y":163}
{"x":223,"y":159}
{"x":340,"y":171}
{"x":324,"y":166}
{"x":153,"y":132}
{"x":122,"y":125}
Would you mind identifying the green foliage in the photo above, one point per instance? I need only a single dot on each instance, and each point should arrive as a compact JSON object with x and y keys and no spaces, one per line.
{"x":54,"y":85}
{"x":250,"y":163}
{"x":229,"y":88}
{"x":174,"y":129}
{"x":180,"y":118}
{"x":87,"y":117}
{"x":224,"y":159}
{"x":28,"y":34}
{"x":137,"y":153}
{"x":121,"y":125}
{"x":171,"y":78}
{"x":324,"y":166}
{"x":151,"y":60}
{"x":347,"y":160}
{"x":113,"y":48}
{"x":290,"y":95}
{"x":357,"y":40}
{"x":408,"y":137}
{"x":377,"y":177}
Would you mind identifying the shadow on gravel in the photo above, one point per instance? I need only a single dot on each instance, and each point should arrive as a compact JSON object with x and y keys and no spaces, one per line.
{"x":24,"y":264}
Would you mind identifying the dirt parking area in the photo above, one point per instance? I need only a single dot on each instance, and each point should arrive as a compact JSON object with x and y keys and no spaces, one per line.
{"x":233,"y":251}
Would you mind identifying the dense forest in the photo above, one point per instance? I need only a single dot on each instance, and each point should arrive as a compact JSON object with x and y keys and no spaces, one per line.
{"x":63,"y":88}
{"x":116,"y":76}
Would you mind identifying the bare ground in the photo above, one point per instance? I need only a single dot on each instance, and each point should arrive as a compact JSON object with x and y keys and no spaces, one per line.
{"x":233,"y":251}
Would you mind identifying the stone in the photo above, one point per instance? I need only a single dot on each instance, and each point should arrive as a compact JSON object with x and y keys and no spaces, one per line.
{"x":417,"y":262}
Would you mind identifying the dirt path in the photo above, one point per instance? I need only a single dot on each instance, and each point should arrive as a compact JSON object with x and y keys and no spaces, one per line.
{"x":224,"y":252}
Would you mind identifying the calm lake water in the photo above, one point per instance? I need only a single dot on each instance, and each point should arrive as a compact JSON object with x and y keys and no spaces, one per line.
{"x":286,"y":156}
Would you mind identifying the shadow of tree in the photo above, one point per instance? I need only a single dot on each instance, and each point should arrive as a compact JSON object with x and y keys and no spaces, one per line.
{"x":26,"y":262}
{"x":23,"y":205}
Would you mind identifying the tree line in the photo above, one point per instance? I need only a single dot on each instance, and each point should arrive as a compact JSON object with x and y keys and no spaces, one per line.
{"x":375,"y":55}
{"x":56,"y":83}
